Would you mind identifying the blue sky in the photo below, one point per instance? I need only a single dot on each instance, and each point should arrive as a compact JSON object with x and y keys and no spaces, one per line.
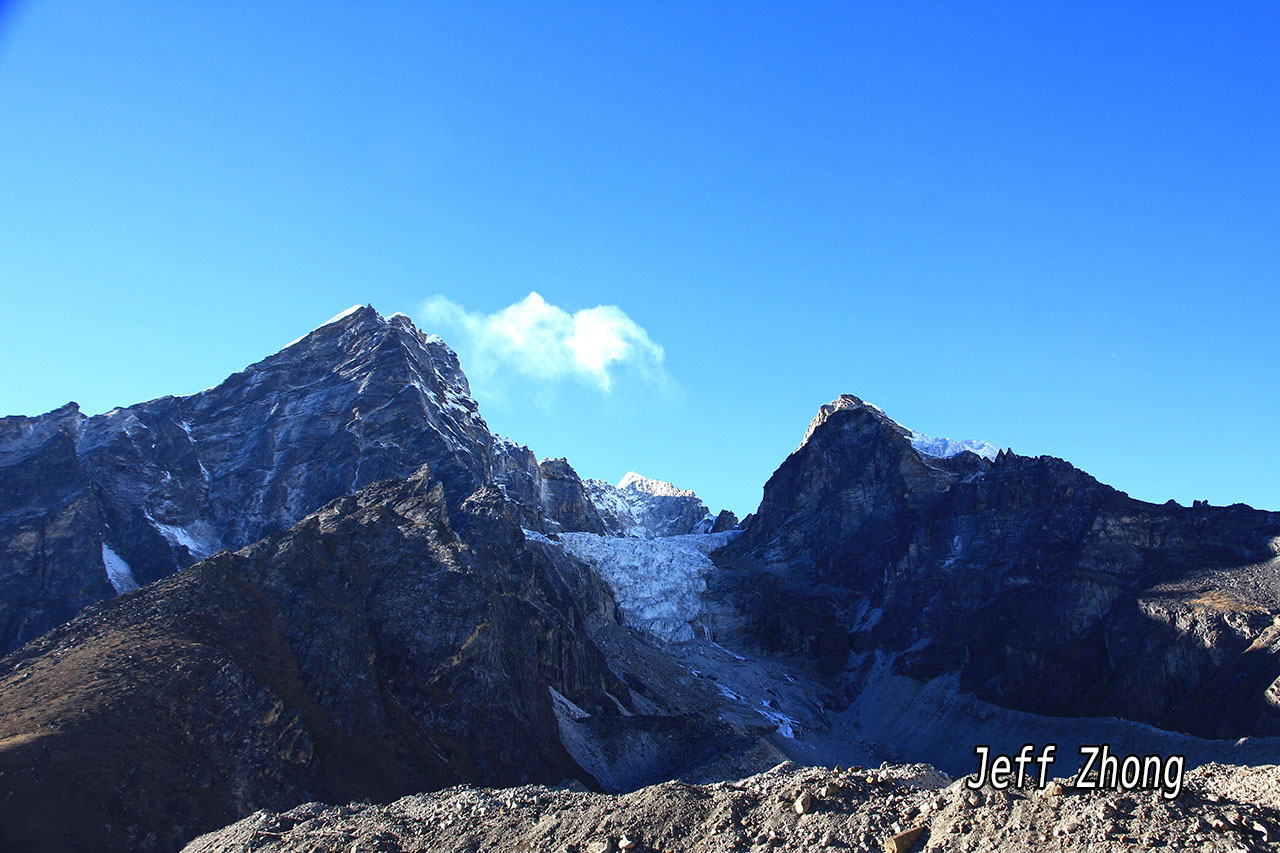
{"x":1051,"y":226}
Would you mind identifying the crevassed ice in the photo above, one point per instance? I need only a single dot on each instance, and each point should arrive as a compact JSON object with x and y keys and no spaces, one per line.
{"x":658,"y":583}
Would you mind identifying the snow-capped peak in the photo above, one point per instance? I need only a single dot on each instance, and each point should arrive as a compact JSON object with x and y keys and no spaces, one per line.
{"x":341,"y":315}
{"x":943,"y":447}
{"x":659,"y":488}
{"x":927,"y":445}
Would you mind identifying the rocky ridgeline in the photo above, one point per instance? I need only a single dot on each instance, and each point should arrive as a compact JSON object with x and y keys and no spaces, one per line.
{"x":554,"y":499}
{"x":894,"y":808}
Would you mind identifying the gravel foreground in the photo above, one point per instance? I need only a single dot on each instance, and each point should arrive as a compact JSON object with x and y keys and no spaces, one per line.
{"x":788,"y":808}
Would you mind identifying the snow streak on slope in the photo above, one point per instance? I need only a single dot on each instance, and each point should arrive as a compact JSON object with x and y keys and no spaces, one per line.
{"x":118,"y":571}
{"x":199,"y":538}
{"x":658,"y":583}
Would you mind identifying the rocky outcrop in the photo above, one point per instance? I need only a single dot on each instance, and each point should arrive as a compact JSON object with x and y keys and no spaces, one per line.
{"x":51,"y":525}
{"x":162,"y":484}
{"x":387,"y":644}
{"x":725,"y":520}
{"x":565,"y":501}
{"x":789,"y":808}
{"x":1043,"y":589}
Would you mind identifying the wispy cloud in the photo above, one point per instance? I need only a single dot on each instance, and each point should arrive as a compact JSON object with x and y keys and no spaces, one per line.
{"x":545,"y":342}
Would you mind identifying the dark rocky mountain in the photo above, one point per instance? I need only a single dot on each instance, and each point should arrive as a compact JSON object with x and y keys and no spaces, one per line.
{"x":154,"y":487}
{"x":404,"y":637}
{"x":1038,"y":587}
{"x":387,"y":644}
{"x":415,"y":603}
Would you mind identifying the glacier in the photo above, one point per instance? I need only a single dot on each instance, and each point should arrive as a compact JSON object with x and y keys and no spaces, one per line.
{"x":658,"y":583}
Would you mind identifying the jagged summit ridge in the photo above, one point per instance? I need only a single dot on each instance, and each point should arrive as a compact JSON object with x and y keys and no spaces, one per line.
{"x":341,"y":315}
{"x":640,"y":483}
{"x":924,"y":444}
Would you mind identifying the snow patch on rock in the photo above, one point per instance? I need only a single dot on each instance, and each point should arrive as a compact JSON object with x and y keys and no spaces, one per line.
{"x":118,"y":571}
{"x":784,"y":725}
{"x":198,"y":538}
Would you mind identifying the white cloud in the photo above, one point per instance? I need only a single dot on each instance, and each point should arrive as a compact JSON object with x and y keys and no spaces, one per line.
{"x":545,"y":342}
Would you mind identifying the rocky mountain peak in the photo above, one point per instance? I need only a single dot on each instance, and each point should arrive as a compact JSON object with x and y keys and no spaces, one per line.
{"x":937,"y":447}
{"x":843,"y":403}
{"x":153,"y":487}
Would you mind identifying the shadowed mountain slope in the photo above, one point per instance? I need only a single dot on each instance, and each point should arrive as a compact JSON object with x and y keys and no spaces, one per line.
{"x":378,"y":648}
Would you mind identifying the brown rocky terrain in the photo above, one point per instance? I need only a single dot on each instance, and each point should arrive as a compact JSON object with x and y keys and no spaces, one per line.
{"x":789,"y":808}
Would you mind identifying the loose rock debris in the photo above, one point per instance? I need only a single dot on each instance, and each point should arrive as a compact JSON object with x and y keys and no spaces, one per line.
{"x":895,"y":808}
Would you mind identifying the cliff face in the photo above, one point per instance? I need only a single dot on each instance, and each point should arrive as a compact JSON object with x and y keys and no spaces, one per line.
{"x":152,"y":488}
{"x":387,"y":644}
{"x":51,"y":523}
{"x":1043,"y":589}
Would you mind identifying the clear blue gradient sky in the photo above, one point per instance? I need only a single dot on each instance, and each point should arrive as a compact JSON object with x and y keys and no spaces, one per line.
{"x":1052,"y":226}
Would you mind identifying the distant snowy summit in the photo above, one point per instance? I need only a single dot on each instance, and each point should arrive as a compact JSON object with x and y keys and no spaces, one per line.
{"x":925,"y":445}
{"x":658,"y":488}
{"x":552,"y":498}
{"x":945,"y":447}
{"x":639,"y":506}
